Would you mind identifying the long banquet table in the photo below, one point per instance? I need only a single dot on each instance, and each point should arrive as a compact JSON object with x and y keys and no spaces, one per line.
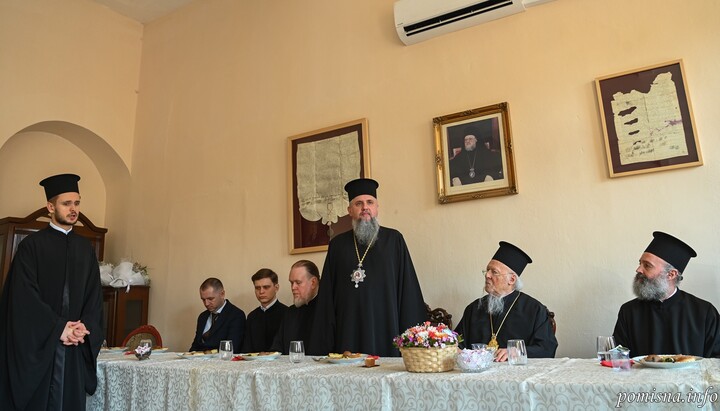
{"x":167,"y":382}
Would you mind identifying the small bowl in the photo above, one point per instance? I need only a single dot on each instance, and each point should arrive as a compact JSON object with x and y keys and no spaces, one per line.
{"x":474,"y":360}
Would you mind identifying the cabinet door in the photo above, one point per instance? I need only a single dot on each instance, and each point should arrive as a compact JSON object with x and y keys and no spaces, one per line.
{"x":124,"y":312}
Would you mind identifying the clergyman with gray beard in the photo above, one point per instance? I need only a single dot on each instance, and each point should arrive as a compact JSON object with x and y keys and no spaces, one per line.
{"x":505,"y":313}
{"x":664,"y":319}
{"x":369,"y":291}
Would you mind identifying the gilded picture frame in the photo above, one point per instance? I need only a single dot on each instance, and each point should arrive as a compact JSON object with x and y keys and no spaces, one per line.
{"x":647,"y":120}
{"x":320,"y":163}
{"x":474,"y":154}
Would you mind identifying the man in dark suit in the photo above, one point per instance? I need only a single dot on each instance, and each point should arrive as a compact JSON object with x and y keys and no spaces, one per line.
{"x":220,"y":321}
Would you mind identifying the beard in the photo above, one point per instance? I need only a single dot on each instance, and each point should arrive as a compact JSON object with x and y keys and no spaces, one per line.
{"x":299,"y":301}
{"x":365,"y":231}
{"x":495,"y":305}
{"x":651,"y":289}
{"x":64,"y":219}
{"x":470,"y":146}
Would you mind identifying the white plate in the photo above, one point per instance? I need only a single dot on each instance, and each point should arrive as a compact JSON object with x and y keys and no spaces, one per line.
{"x":346,"y":360}
{"x":196,"y":356}
{"x":640,"y":360}
{"x":267,"y":357}
{"x":163,"y":349}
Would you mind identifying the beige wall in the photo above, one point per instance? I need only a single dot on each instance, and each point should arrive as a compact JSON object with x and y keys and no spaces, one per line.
{"x":224,"y":83}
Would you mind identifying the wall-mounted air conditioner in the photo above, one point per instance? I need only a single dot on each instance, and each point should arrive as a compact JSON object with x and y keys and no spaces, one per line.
{"x":419,"y":20}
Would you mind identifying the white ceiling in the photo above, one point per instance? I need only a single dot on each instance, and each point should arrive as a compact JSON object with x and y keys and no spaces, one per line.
{"x":144,"y":11}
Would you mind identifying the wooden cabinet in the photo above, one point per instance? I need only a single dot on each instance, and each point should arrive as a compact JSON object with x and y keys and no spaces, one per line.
{"x":14,"y":229}
{"x":124,"y":311}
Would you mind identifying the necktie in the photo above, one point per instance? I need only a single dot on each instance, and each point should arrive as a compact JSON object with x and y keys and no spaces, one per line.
{"x":213,"y":318}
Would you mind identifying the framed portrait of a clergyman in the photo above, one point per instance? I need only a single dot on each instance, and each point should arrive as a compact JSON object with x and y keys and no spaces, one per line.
{"x":320,"y":163}
{"x":474,"y":154}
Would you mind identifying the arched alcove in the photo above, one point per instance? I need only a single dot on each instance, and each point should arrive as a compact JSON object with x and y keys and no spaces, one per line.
{"x":52,"y":147}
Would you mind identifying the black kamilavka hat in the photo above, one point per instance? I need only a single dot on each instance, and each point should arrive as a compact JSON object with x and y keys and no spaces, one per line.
{"x":671,"y":249}
{"x":512,"y":256}
{"x":61,"y":183}
{"x":361,"y":186}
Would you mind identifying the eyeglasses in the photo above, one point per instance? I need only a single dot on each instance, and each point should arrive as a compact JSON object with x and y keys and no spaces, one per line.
{"x":493,"y":272}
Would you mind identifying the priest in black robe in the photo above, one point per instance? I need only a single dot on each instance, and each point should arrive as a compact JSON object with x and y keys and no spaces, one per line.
{"x":369,"y":292}
{"x":505,"y":313}
{"x":263,"y":322}
{"x":297,"y":324}
{"x":51,"y":312}
{"x":664,"y":319}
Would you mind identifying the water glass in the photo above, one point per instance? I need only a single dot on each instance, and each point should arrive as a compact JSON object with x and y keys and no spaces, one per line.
{"x":604,"y":344}
{"x":226,"y":350}
{"x":517,"y":353}
{"x":297,"y":351}
{"x":478,"y":346}
{"x":620,"y":360}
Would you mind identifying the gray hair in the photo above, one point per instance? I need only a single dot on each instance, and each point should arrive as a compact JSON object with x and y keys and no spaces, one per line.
{"x":669,"y":267}
{"x":518,"y":282}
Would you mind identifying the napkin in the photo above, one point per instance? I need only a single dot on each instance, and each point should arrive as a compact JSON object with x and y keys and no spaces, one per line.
{"x":608,"y":363}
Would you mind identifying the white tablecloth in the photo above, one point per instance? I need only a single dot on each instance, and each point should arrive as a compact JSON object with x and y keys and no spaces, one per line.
{"x":166,"y":382}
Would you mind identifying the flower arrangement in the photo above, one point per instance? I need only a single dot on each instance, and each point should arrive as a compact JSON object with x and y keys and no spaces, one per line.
{"x":143,"y":351}
{"x":426,"y":335}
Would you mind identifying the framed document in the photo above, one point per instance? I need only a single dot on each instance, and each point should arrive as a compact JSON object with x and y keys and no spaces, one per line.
{"x":320,"y":163}
{"x":647,"y":120}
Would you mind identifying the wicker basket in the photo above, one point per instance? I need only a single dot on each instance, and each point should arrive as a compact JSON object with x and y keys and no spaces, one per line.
{"x":418,"y":359}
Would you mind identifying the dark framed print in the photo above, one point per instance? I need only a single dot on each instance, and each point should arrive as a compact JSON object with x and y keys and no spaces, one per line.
{"x":474,"y":154}
{"x":647,"y":120}
{"x":320,"y":163}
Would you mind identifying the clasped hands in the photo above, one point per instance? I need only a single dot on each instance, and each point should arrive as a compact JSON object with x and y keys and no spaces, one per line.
{"x":74,"y":333}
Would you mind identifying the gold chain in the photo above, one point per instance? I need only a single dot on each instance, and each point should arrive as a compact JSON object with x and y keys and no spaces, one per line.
{"x":492,"y":331}
{"x":357,"y":253}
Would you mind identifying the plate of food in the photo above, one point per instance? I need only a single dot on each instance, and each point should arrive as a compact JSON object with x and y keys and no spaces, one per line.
{"x":265,"y":355}
{"x":667,"y":360}
{"x":113,"y":350}
{"x":160,"y":349}
{"x":194,"y":355}
{"x":345,"y":358}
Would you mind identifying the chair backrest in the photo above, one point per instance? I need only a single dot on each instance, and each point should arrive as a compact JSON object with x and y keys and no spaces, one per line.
{"x":438,"y":315}
{"x":144,"y":332}
{"x":552,"y":321}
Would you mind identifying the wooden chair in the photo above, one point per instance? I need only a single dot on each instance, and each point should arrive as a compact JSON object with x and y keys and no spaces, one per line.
{"x":144,"y":332}
{"x":552,"y":321}
{"x":438,"y":315}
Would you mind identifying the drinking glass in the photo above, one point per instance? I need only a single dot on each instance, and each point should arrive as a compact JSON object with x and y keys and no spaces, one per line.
{"x":620,"y":360}
{"x":226,"y":350}
{"x":297,"y":351}
{"x":478,"y":346}
{"x":517,"y":353}
{"x":604,"y":344}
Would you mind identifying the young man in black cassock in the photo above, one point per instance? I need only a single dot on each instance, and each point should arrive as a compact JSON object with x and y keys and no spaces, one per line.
{"x":664,"y":319}
{"x":369,"y":292}
{"x":263,"y":322}
{"x":51,"y":312}
{"x":505,"y":313}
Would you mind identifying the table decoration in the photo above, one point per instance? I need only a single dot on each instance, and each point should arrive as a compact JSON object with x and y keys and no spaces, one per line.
{"x":428,"y":348}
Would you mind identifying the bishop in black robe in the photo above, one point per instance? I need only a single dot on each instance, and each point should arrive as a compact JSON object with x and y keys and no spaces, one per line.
{"x":32,"y":318}
{"x":262,"y":326}
{"x":297,"y":325}
{"x":366,"y":318}
{"x":527,"y":320}
{"x":682,"y":324}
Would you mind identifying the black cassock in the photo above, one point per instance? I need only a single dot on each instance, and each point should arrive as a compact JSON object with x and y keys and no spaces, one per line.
{"x":682,"y":324}
{"x":261,"y":327}
{"x":528,"y":320}
{"x":297,"y":325}
{"x":32,"y":321}
{"x":387,"y":302}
